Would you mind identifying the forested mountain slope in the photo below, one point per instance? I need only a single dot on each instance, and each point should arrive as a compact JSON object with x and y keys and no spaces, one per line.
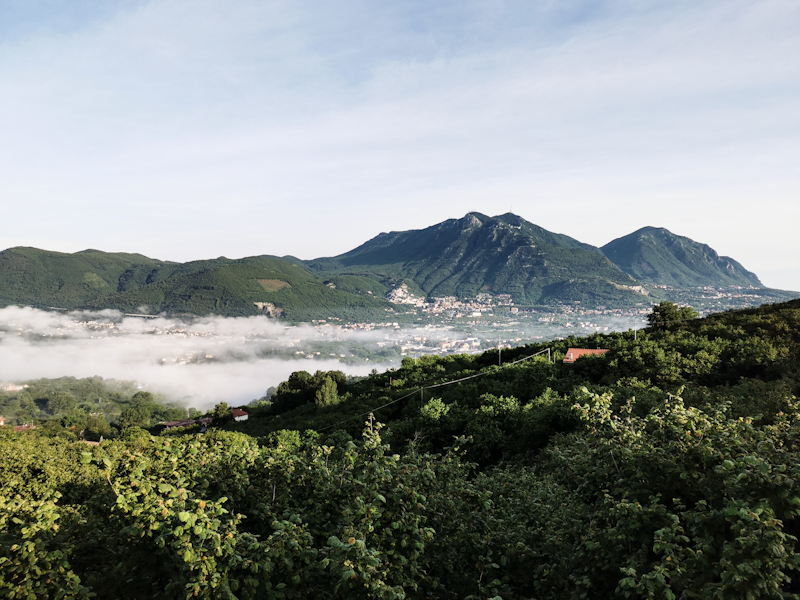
{"x":133,"y":283}
{"x":504,"y":254}
{"x":43,"y":278}
{"x":656,"y":255}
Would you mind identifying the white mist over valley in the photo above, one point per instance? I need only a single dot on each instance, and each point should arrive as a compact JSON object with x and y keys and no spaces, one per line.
{"x":198,"y":362}
{"x":201,"y":361}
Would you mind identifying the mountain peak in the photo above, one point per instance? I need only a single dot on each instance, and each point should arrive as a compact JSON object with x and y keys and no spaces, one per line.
{"x":476,"y":253}
{"x":472,"y":220}
{"x":656,"y":255}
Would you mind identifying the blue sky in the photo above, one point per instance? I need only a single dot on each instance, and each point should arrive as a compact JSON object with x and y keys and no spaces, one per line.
{"x":194,"y":129}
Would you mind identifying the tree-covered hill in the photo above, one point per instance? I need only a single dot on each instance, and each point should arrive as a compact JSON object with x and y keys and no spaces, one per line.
{"x":43,"y":278}
{"x":458,"y":257}
{"x":85,"y":408}
{"x":667,"y":467}
{"x":504,"y":254}
{"x":237,"y":287}
{"x":134,"y":283}
{"x":656,"y":255}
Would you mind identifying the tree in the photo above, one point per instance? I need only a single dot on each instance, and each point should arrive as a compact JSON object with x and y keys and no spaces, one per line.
{"x":667,"y":313}
{"x":61,"y":403}
{"x":143,"y":398}
{"x":222,"y":414}
{"x":134,"y":416}
{"x":327,"y":394}
{"x":97,"y":427}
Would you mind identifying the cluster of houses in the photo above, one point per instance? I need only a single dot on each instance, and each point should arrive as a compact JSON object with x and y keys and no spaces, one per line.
{"x":16,"y":427}
{"x":449,"y":305}
{"x":12,"y":387}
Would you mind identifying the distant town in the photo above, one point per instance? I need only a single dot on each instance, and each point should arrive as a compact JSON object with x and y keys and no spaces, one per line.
{"x":429,"y":326}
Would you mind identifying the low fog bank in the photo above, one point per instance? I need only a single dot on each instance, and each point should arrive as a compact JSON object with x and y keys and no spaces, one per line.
{"x":198,"y":363}
{"x":202,"y":361}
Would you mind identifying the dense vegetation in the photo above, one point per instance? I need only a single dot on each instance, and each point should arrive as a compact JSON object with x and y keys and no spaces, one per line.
{"x":41,"y":278}
{"x":86,"y":408}
{"x":668,"y":467}
{"x":133,"y":283}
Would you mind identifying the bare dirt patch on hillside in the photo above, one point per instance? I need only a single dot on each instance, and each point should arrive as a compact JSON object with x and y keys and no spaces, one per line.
{"x":273,"y":285}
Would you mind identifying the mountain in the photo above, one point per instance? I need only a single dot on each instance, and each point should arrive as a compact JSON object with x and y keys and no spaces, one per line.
{"x":656,"y":255}
{"x":458,"y":257}
{"x":503,"y":254}
{"x":134,"y":283}
{"x":42,"y":278}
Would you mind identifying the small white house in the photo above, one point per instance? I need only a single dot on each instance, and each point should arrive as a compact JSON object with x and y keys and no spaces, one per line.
{"x":239,"y":414}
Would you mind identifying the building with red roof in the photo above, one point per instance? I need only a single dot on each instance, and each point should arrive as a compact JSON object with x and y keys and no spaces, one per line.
{"x":574,"y":354}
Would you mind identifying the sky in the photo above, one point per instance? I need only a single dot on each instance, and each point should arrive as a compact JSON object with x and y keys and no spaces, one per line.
{"x":189,"y":129}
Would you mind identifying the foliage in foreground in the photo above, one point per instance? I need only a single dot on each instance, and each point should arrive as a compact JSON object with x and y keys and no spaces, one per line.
{"x":677,"y":503}
{"x":592,"y":483}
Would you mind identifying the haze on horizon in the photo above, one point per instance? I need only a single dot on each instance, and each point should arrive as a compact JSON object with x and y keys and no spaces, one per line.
{"x":186,"y":130}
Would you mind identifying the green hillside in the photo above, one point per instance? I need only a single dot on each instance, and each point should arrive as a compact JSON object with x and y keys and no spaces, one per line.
{"x":458,"y":257}
{"x":41,"y":278}
{"x":503,"y":254}
{"x":133,"y":283}
{"x":233,"y":287}
{"x":656,"y":255}
{"x":748,"y":357}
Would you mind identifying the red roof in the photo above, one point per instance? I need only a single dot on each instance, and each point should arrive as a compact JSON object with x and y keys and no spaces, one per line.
{"x":238,"y":412}
{"x":574,"y":354}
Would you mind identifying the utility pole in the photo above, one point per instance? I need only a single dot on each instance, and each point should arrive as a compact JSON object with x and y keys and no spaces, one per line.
{"x":499,"y":354}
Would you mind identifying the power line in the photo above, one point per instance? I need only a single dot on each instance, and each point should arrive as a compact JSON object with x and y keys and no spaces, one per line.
{"x":436,"y":385}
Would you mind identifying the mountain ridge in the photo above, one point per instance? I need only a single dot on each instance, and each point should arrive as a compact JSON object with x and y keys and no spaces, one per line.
{"x":477,"y":253}
{"x":658,"y":256}
{"x":461,"y":257}
{"x":230,"y":287}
